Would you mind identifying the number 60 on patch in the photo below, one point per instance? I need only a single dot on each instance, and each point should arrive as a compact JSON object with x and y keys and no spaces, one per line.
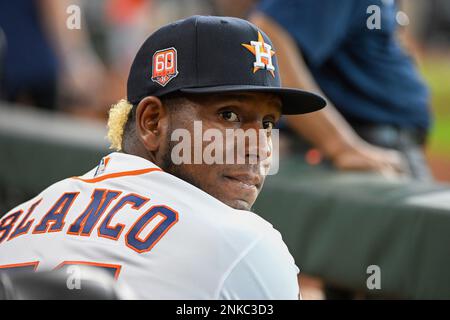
{"x":164,"y":66}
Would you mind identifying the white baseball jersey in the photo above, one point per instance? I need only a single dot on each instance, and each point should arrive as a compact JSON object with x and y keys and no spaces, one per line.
{"x":159,"y":235}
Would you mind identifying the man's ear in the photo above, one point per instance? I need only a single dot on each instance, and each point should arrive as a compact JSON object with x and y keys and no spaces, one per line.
{"x":151,"y":122}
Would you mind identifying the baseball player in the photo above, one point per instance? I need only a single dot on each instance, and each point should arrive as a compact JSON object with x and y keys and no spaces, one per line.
{"x":167,"y":230}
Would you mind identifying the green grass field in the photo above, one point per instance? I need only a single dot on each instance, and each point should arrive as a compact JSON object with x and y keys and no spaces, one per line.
{"x":437,"y":74}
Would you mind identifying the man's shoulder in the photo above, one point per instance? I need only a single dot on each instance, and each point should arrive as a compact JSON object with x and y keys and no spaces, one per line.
{"x":245,"y":223}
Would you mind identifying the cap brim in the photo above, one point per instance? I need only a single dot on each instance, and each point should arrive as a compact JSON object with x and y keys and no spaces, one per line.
{"x":294,"y":101}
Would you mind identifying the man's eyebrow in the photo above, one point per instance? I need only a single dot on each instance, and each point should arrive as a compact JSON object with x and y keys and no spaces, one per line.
{"x":278,"y":114}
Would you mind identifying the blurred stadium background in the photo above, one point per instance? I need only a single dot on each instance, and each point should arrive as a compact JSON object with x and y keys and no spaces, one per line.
{"x":70,"y":93}
{"x":112,"y":30}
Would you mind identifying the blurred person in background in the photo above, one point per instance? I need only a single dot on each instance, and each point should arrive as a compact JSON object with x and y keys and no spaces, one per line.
{"x":377,"y":102}
{"x":44,"y":59}
{"x":118,"y":27}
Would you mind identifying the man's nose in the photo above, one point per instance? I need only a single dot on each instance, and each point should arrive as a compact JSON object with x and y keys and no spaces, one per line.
{"x":259,"y":149}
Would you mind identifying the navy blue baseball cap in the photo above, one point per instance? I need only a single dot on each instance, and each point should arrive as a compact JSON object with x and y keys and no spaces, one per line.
{"x":208,"y":54}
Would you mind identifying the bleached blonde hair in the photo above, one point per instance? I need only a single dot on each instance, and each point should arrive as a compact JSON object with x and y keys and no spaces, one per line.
{"x":118,"y":117}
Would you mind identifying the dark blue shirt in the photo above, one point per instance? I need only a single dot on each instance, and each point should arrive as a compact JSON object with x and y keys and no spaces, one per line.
{"x":30,"y":61}
{"x":365,"y":73}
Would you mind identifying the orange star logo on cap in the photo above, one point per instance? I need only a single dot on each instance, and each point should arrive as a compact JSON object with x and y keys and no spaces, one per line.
{"x":263,"y":54}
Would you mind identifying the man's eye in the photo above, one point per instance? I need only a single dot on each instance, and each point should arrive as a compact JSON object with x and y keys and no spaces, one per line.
{"x":229,"y":116}
{"x":268,"y":125}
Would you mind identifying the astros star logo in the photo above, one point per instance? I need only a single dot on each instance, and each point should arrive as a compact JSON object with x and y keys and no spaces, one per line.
{"x":263,"y":53}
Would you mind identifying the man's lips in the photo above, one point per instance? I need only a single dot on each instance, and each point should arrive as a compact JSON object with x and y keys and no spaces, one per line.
{"x":246,"y":179}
